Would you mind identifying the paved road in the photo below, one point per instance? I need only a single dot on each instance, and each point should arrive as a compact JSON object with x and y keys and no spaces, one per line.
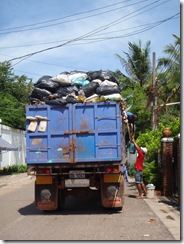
{"x":83,"y":220}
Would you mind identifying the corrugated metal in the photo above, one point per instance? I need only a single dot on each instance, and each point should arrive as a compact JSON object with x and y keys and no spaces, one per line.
{"x":76,"y":133}
{"x":6,"y":146}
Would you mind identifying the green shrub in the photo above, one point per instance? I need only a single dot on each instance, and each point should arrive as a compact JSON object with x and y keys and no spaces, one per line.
{"x":14,"y":169}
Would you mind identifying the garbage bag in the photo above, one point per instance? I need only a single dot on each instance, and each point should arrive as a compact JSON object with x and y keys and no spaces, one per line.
{"x":71,"y":99}
{"x":93,"y":75}
{"x":65,"y":90}
{"x":89,"y":89}
{"x":108,"y":83}
{"x":106,"y":90}
{"x":45,"y":82}
{"x":57,"y":101}
{"x":77,"y":78}
{"x":108,"y":75}
{"x":62,"y":79}
{"x":113,"y":97}
{"x":40,"y":93}
{"x":102,"y":75}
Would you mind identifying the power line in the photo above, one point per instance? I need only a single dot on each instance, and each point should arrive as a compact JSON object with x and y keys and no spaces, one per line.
{"x":102,"y":28}
{"x":145,"y":27}
{"x":67,"y":21}
{"x":84,"y":12}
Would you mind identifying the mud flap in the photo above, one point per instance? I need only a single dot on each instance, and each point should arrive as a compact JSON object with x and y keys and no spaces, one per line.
{"x":46,"y":196}
{"x":112,"y":193}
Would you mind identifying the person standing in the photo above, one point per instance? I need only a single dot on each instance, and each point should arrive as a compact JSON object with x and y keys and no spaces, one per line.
{"x":141,"y":151}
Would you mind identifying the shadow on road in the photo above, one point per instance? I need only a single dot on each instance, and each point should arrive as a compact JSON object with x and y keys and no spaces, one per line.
{"x":73,"y":206}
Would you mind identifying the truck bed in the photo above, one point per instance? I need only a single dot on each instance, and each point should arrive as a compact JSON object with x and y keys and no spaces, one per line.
{"x":76,"y":134}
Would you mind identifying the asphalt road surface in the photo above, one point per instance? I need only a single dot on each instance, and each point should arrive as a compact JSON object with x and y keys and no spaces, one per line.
{"x":80,"y":220}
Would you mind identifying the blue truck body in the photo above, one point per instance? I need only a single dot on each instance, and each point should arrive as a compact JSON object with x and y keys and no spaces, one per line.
{"x":78,"y":141}
{"x":76,"y":133}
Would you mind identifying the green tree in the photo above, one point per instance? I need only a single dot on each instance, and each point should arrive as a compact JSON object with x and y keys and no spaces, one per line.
{"x":168,"y":87}
{"x":137,"y":62}
{"x":13,"y":96}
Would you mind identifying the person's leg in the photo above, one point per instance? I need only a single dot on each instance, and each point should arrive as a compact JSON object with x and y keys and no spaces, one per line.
{"x":138,"y":183}
{"x":143,"y":188}
{"x":139,"y":188}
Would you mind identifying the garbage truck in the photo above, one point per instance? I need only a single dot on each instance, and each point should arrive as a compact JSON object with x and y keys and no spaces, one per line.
{"x":76,"y":150}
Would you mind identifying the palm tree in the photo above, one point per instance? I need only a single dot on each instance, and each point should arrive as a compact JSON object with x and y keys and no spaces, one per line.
{"x":137,"y":65}
{"x":169,"y":68}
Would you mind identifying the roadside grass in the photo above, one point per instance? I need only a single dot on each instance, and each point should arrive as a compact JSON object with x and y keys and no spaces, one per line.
{"x":13,"y":169}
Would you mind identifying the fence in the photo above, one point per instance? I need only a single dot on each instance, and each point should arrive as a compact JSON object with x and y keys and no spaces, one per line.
{"x":17,"y":138}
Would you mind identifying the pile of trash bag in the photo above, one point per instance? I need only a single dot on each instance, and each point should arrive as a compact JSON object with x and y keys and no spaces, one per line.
{"x":76,"y":87}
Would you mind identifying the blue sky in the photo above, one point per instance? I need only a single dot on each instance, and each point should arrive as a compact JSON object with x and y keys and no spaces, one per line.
{"x":91,"y":32}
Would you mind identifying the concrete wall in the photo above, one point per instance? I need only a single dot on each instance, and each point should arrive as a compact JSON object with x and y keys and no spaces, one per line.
{"x":17,"y":138}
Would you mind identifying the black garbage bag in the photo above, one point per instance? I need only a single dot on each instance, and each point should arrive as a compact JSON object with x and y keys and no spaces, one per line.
{"x":34,"y":100}
{"x":57,"y":101}
{"x":40,"y":93}
{"x":107,"y":90}
{"x":65,"y":90}
{"x":108,"y":75}
{"x":102,"y":75}
{"x":71,"y":99}
{"x":89,"y":89}
{"x":45,"y":83}
{"x":93,"y":75}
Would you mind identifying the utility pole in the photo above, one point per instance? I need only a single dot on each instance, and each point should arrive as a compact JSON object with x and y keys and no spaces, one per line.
{"x":154,"y":98}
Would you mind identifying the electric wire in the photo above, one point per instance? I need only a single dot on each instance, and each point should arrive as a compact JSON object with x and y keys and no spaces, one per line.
{"x":102,"y":28}
{"x":84,"y":12}
{"x":144,"y":28}
{"x":67,"y":21}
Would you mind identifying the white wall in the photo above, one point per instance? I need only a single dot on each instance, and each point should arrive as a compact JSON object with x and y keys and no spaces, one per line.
{"x":17,"y":138}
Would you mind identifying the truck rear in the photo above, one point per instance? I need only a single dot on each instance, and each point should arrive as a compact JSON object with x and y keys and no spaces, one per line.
{"x":76,"y":149}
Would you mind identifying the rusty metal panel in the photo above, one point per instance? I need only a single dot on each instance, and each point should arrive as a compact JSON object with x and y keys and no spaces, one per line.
{"x":76,"y":133}
{"x":112,"y":194}
{"x":46,"y":196}
{"x":108,"y":178}
{"x":40,"y":180}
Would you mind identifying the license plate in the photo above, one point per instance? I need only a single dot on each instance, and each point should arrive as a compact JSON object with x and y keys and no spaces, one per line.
{"x":77,"y":174}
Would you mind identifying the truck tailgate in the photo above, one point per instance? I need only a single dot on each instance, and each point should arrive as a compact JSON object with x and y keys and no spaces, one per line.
{"x":76,"y":133}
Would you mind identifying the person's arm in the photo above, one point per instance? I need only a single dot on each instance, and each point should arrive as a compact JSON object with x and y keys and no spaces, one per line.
{"x":135,"y":144}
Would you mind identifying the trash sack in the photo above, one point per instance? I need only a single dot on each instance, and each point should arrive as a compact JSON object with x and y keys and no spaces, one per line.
{"x":57,"y":101}
{"x":93,"y":75}
{"x":71,"y":99}
{"x":113,"y":97}
{"x":33,"y":100}
{"x":40,"y":93}
{"x":46,"y":83}
{"x":131,"y":158}
{"x":89,"y":89}
{"x":43,"y":78}
{"x":97,"y":81}
{"x":108,"y":83}
{"x":77,"y":78}
{"x":93,"y":98}
{"x":62,"y":79}
{"x":85,"y":82}
{"x":108,"y":75}
{"x":131,"y":148}
{"x":65,"y":90}
{"x":106,"y":90}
